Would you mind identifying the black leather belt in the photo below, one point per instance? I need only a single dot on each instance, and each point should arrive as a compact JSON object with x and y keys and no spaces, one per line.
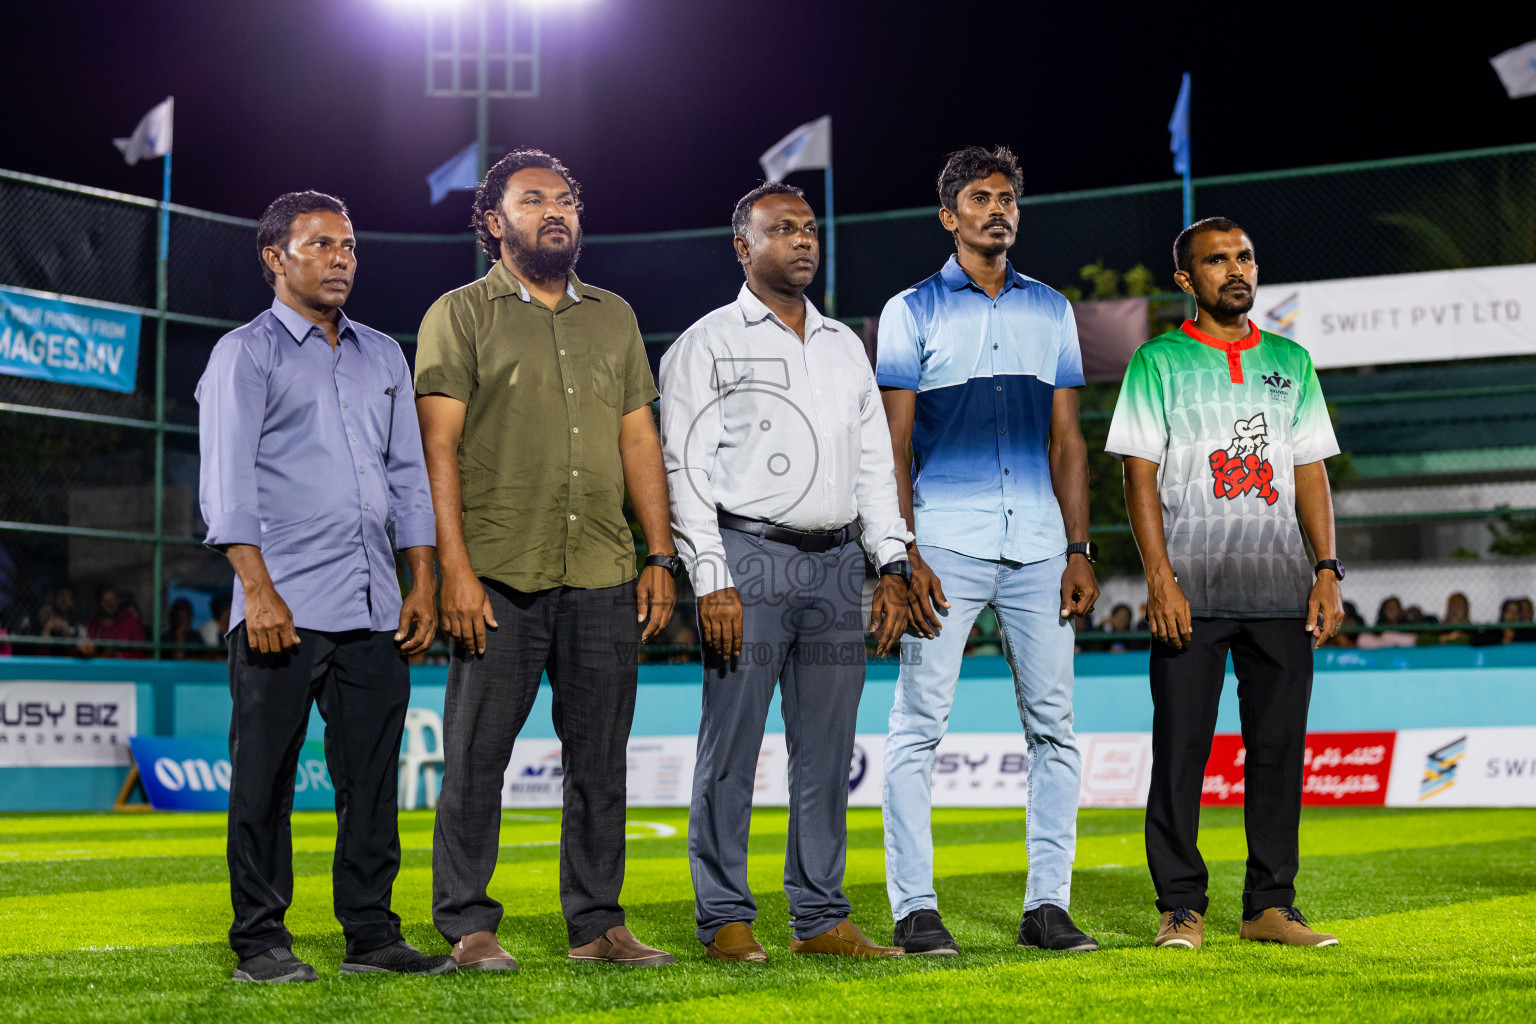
{"x":805,"y":540}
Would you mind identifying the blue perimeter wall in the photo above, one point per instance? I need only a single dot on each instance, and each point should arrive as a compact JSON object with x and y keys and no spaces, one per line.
{"x":1401,"y":688}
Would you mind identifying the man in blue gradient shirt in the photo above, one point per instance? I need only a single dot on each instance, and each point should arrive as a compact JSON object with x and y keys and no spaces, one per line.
{"x":978,"y":367}
{"x":312,"y":476}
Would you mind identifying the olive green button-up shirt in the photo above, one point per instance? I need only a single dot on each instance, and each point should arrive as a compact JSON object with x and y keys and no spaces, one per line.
{"x":543,"y":485}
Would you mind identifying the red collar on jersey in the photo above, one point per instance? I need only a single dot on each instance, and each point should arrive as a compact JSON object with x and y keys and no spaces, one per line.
{"x":1233,"y":349}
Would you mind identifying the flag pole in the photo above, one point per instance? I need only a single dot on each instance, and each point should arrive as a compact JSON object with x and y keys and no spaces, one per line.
{"x":162,"y":260}
{"x":831,"y":297}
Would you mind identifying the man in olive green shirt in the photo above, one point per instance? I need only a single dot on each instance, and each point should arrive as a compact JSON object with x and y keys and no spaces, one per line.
{"x":534,"y":394}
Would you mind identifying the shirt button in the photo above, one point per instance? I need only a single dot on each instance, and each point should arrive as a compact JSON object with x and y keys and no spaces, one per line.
{"x":562,"y":351}
{"x":1010,"y":511}
{"x":353,"y":436}
{"x":999,"y":387}
{"x":367,"y":508}
{"x":1002,"y":431}
{"x":570,"y":391}
{"x":994,"y":346}
{"x":1005,"y":472}
{"x":573,"y":517}
{"x":361,"y":472}
{"x":343,"y":405}
{"x":575,"y":430}
{"x":574,"y":473}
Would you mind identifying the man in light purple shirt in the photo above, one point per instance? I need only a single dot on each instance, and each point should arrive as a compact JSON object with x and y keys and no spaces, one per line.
{"x":312,"y":475}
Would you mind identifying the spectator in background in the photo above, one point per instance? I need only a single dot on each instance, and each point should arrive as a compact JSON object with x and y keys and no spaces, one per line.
{"x":1389,"y":614}
{"x":217,"y":626}
{"x":116,"y":619}
{"x":1523,"y":636}
{"x":1458,"y":612}
{"x":178,"y":629}
{"x":56,"y":619}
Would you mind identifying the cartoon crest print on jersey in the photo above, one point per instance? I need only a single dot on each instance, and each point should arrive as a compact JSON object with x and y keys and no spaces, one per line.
{"x":1241,"y":467}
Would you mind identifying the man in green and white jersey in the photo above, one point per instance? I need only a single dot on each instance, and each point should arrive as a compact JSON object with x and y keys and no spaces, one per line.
{"x":1223,"y":431}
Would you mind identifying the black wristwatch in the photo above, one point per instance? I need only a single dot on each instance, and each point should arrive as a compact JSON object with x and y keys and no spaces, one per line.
{"x":900,"y":567}
{"x":1330,"y":563}
{"x":671,"y":563}
{"x":1087,"y":548}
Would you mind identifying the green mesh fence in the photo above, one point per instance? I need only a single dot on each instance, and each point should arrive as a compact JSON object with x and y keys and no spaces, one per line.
{"x":79,"y":485}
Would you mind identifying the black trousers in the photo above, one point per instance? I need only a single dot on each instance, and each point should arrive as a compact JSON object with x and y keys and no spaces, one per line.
{"x":1272,"y":659}
{"x":588,"y":641}
{"x":362,"y":686}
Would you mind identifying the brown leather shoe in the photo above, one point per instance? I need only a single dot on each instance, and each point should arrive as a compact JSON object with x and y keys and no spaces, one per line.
{"x":479,"y":951}
{"x":844,"y":940}
{"x":1284,"y":925}
{"x":1180,"y":929}
{"x":735,"y":941}
{"x":619,"y":946}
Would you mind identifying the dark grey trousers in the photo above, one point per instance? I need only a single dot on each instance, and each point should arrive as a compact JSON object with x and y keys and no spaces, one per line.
{"x":587,"y":640}
{"x":802,"y":629}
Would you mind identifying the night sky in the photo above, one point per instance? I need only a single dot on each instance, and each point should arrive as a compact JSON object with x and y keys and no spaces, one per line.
{"x":661,"y":107}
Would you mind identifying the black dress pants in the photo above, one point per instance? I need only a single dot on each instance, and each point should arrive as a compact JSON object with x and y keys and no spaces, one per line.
{"x":588,"y":641}
{"x":1272,"y":659}
{"x":362,"y":686}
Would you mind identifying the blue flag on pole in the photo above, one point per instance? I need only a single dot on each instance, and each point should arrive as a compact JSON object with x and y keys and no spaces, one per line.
{"x":459,"y":174}
{"x":1178,"y":130}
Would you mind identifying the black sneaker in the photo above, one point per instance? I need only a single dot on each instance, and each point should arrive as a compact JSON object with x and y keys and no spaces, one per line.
{"x":922,"y":933}
{"x":1049,"y":927}
{"x":399,"y":957}
{"x":275,"y":966}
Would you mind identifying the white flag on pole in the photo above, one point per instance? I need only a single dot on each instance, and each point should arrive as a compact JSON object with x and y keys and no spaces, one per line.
{"x":807,"y":148}
{"x":1517,"y":70}
{"x":151,"y":138}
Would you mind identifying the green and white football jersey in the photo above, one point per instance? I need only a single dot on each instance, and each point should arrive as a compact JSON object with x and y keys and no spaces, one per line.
{"x":1227,"y":423}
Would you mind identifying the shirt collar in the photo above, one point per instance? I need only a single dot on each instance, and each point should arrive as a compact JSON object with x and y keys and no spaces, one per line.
{"x":955,"y":277}
{"x":300,"y":327}
{"x":754,"y":311}
{"x":501,"y":283}
{"x":1240,"y":345}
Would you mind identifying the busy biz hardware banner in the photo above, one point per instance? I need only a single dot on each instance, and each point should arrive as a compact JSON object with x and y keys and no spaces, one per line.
{"x":68,"y":342}
{"x":82,"y":725}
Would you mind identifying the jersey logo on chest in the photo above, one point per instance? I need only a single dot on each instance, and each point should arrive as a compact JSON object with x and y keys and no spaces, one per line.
{"x":1241,"y":467}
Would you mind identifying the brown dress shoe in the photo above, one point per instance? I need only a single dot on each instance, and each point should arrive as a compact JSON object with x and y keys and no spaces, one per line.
{"x":1284,"y":925}
{"x":1180,"y":929}
{"x":735,"y":941}
{"x":619,"y":946}
{"x":479,"y":951}
{"x":844,"y":940}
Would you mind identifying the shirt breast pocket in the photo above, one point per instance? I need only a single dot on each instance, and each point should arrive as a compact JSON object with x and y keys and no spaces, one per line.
{"x":380,"y":402}
{"x":608,"y":382}
{"x":849,"y":391}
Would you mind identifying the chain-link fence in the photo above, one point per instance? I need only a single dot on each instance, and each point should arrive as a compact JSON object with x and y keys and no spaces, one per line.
{"x":79,"y":487}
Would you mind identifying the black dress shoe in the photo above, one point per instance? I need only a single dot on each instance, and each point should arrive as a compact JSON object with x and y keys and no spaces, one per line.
{"x":273,"y":967}
{"x":922,"y":933}
{"x":1049,"y":927}
{"x":399,"y":957}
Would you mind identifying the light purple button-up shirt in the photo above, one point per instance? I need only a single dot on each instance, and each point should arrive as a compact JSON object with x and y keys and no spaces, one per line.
{"x":314,"y":456}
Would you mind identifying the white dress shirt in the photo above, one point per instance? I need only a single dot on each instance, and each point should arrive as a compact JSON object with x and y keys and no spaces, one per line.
{"x":758,"y":423}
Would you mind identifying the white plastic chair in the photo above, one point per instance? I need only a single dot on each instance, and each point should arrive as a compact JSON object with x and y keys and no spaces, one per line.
{"x":421,"y":758}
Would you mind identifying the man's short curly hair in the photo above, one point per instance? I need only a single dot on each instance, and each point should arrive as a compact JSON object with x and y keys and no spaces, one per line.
{"x":276,"y":225}
{"x":741,"y":216}
{"x":967,"y":165}
{"x":489,"y":193}
{"x":1184,"y":245}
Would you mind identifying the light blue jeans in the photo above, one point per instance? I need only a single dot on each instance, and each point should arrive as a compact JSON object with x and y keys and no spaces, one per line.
{"x":1038,"y":645}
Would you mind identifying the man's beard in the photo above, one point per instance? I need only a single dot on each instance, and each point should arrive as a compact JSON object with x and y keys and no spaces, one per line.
{"x":543,"y":264}
{"x":1227,"y":305}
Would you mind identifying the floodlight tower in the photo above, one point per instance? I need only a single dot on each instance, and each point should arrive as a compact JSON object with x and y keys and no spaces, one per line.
{"x":483,"y":50}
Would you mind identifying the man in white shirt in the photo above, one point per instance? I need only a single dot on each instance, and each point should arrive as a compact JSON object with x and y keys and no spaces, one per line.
{"x":778,"y":456}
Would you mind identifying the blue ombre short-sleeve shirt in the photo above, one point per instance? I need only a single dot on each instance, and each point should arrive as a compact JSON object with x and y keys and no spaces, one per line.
{"x":985,"y":371}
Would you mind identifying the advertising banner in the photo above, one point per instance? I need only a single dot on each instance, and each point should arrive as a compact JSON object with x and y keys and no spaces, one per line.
{"x":1487,"y":767}
{"x":1341,"y":768}
{"x":194,"y":774}
{"x":68,"y":342}
{"x":80,"y":725}
{"x":1406,"y":318}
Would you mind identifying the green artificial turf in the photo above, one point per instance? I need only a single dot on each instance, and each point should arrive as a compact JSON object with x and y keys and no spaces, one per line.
{"x":122,"y":918}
